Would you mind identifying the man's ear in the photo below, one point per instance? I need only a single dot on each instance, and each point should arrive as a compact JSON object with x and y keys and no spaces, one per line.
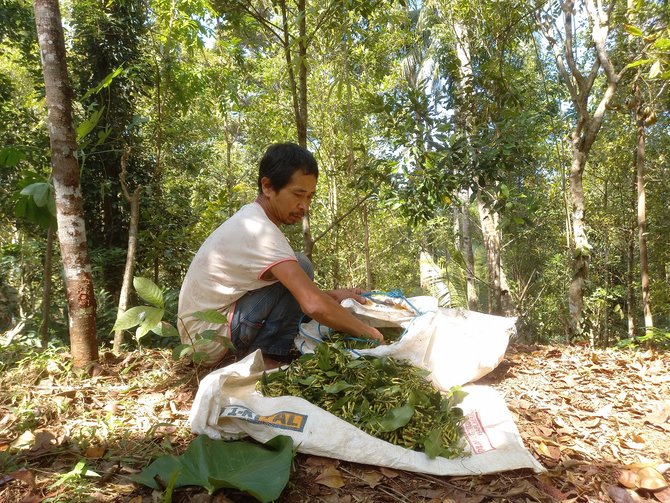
{"x":266,"y":185}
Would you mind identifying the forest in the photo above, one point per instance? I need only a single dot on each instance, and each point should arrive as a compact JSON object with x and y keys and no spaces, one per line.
{"x":525,"y":162}
{"x":509,"y":157}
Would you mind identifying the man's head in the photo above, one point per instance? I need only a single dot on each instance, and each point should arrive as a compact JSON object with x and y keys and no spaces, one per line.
{"x":287,"y":178}
{"x":281,"y":160}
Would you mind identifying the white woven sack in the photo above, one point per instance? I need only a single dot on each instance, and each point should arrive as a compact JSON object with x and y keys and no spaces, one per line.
{"x":457,"y":346}
{"x":228,"y":406}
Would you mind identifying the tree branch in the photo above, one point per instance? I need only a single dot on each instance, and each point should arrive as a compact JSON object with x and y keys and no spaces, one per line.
{"x":568,"y":8}
{"x":343,"y":216}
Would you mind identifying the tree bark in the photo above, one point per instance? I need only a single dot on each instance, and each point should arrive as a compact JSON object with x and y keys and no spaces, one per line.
{"x":500,"y":300}
{"x":630,"y":294}
{"x":67,"y":188}
{"x":465,"y":238}
{"x":46,"y":293}
{"x":465,"y":242}
{"x":640,"y":120}
{"x":134,"y":200}
{"x":584,"y":133}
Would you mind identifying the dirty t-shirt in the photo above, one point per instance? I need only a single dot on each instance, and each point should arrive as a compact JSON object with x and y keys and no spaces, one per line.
{"x":230,"y":263}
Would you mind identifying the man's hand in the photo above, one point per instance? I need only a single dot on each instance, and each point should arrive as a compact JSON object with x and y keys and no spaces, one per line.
{"x":375,"y":334}
{"x":347,"y":293}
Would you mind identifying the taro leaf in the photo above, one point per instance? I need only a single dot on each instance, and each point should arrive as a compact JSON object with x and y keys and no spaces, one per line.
{"x":396,"y":418}
{"x":211,"y":316}
{"x":149,"y":291}
{"x":260,"y":470}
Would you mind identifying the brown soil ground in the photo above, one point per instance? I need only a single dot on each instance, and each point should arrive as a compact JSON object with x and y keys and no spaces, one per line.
{"x":596,"y":419}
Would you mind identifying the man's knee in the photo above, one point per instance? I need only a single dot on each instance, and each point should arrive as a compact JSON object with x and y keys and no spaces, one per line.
{"x":306,"y":264}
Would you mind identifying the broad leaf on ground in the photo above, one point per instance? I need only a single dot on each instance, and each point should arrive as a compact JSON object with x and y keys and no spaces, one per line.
{"x":261,"y":470}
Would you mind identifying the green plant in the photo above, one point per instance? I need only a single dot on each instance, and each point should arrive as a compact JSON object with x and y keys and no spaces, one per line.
{"x":654,"y":337}
{"x":150,"y":319}
{"x":146,"y":318}
{"x":388,"y":399}
{"x":261,"y":470}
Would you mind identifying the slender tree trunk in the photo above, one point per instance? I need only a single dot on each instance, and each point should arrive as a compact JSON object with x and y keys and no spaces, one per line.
{"x":46,"y":293}
{"x":134,"y":200}
{"x":640,"y":118}
{"x":584,"y":133}
{"x":500,"y":301}
{"x":466,"y":89}
{"x":630,"y":291}
{"x":465,"y":242}
{"x":604,"y":335}
{"x":158,"y":168}
{"x":582,"y":248}
{"x":368,"y":264}
{"x":67,"y":188}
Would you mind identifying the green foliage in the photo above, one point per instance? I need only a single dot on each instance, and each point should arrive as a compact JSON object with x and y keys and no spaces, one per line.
{"x":388,"y":399}
{"x":260,"y":470}
{"x":654,"y":337}
{"x":146,"y":318}
{"x":37,"y":204}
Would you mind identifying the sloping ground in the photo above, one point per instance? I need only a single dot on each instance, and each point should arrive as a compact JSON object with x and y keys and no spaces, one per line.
{"x":597,"y":420}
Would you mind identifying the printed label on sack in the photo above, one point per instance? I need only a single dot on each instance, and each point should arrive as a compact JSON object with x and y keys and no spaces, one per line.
{"x":475,"y":434}
{"x":284,"y":419}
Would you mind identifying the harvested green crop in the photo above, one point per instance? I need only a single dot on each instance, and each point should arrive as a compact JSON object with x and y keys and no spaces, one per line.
{"x":388,"y":399}
{"x":345,"y":341}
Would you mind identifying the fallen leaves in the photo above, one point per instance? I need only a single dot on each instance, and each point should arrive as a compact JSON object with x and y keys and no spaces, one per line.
{"x":330,"y":477}
{"x":597,"y":420}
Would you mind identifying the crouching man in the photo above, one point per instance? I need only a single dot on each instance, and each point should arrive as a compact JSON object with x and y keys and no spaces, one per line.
{"x":247,"y":270}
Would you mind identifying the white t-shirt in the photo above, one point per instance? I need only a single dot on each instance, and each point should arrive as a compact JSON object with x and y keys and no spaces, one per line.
{"x":230,"y":263}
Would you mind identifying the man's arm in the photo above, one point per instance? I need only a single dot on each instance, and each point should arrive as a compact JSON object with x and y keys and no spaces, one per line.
{"x":320,"y":305}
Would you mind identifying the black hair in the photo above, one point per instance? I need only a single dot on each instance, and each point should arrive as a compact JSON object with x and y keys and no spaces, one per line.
{"x":281,"y":160}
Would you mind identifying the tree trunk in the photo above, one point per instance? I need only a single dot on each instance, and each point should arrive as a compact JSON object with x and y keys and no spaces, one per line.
{"x":134,"y":200}
{"x":584,"y":133}
{"x":500,"y":301}
{"x":46,"y":293}
{"x":465,"y":242}
{"x":67,"y":188}
{"x":630,"y":293}
{"x":467,"y":119}
{"x":582,"y":248}
{"x":640,"y":119}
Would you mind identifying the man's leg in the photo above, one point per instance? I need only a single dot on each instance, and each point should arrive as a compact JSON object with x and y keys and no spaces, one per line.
{"x":267,"y":318}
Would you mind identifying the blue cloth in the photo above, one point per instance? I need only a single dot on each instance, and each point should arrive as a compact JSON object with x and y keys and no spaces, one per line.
{"x":267,"y":318}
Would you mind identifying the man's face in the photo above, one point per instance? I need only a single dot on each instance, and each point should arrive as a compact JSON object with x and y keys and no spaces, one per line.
{"x":290,"y":204}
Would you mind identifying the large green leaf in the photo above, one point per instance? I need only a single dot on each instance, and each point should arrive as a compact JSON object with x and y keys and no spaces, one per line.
{"x":396,"y":418}
{"x":10,"y":156}
{"x":261,"y":470}
{"x":40,"y":192}
{"x":152,"y":318}
{"x":89,"y":124}
{"x":139,"y":315}
{"x":210,"y":316}
{"x":149,"y":291}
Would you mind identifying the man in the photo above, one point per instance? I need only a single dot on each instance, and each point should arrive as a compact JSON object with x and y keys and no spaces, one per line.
{"x":247,"y":270}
